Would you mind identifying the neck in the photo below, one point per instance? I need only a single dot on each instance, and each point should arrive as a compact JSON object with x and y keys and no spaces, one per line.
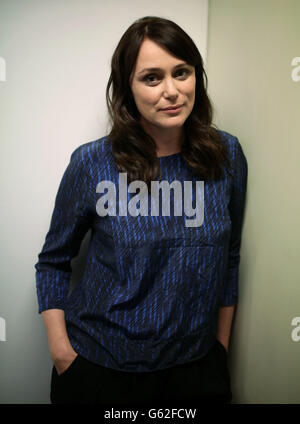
{"x":168,"y":140}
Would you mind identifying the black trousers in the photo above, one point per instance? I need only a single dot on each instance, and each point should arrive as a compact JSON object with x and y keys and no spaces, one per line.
{"x":205,"y":380}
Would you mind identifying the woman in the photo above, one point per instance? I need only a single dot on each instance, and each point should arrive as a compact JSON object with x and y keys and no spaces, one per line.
{"x":151,"y":316}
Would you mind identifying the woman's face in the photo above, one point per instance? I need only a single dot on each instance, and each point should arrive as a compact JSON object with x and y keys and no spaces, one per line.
{"x":161,"y":81}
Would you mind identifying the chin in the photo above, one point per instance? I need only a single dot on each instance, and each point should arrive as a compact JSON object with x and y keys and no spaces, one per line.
{"x":175,"y":124}
{"x":173,"y":120}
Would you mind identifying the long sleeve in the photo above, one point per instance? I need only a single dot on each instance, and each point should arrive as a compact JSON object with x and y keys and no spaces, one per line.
{"x":69,"y":223}
{"x":236,"y":210}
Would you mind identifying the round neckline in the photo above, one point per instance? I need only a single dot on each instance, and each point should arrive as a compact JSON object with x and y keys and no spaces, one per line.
{"x":169,"y":156}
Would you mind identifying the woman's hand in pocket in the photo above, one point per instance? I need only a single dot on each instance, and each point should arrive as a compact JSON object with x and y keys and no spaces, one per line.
{"x":225,"y":346}
{"x":64,"y":363}
{"x":62,"y":354}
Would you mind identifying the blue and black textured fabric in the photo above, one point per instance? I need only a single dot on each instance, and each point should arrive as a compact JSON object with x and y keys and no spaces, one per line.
{"x":152,"y":286}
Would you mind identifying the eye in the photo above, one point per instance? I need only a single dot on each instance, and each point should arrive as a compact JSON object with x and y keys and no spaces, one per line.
{"x":150,"y":79}
{"x":183,"y":73}
{"x":154,"y":79}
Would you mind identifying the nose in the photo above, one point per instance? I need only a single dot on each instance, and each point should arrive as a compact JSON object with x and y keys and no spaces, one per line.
{"x":169,"y":88}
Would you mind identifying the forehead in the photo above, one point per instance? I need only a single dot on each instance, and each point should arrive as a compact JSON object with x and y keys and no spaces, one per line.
{"x":152,"y":54}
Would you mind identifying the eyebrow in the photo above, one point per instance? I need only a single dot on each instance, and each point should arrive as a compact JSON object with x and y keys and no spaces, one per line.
{"x":159,"y":69}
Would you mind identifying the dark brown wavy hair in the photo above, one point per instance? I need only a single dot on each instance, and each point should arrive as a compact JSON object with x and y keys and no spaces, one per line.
{"x":134,"y":150}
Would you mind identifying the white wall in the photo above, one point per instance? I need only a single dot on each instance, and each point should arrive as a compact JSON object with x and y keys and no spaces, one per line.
{"x":256,"y":94}
{"x":54,"y":66}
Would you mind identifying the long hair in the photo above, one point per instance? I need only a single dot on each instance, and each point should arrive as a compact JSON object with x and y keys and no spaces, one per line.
{"x":134,"y":150}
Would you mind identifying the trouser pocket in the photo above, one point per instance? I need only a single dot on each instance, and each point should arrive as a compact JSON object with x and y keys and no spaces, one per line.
{"x":67,"y":387}
{"x":221,"y":356}
{"x":70,"y":367}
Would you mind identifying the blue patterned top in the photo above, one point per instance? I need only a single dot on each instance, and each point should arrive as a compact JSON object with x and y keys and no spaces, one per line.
{"x":152,"y":285}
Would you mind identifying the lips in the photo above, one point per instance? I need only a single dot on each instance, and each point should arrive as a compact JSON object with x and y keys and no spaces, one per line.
{"x":172,"y":107}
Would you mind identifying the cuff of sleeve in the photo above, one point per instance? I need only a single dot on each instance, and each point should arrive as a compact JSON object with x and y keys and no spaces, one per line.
{"x":229,"y":301}
{"x":52,"y":290}
{"x":46,"y":307}
{"x":230,"y":293}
